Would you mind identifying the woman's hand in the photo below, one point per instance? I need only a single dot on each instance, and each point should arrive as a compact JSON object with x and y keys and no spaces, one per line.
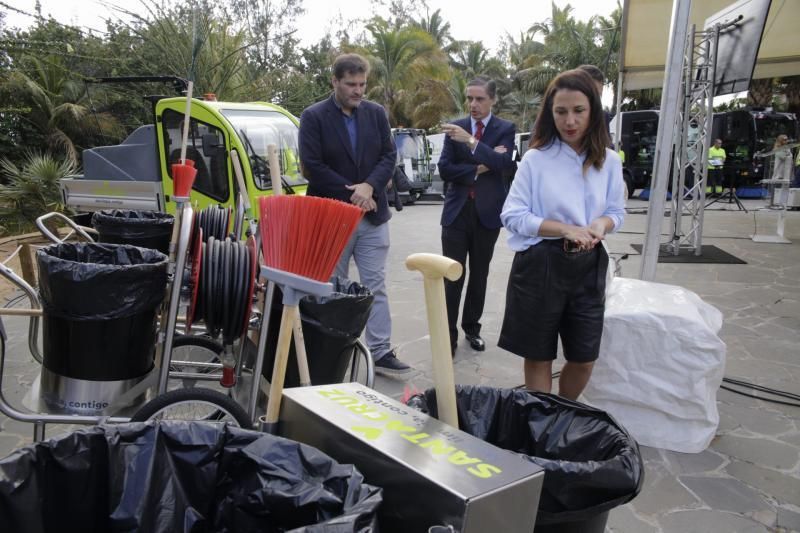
{"x":582,"y":236}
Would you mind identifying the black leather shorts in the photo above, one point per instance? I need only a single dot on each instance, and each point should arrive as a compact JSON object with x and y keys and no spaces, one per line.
{"x":554,"y":292}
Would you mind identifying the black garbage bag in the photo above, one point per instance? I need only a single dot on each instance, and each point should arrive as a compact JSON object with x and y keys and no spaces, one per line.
{"x":92,"y":281}
{"x":148,"y":229}
{"x":591,"y":463}
{"x":181,"y":476}
{"x":331,"y":327}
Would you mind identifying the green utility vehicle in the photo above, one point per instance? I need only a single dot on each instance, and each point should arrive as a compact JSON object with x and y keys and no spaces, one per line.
{"x":137,"y":173}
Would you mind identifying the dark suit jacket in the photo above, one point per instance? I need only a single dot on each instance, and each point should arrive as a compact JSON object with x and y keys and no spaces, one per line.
{"x":458,"y":166}
{"x":329,"y":163}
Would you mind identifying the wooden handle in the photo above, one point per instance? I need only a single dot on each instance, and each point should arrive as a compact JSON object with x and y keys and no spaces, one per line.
{"x":10,"y":311}
{"x":434,"y":268}
{"x":279,"y":367}
{"x":237,"y":171}
{"x":300,"y":350}
{"x":274,"y":170}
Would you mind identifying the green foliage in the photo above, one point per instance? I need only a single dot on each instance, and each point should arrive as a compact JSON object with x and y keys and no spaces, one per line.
{"x":30,"y":190}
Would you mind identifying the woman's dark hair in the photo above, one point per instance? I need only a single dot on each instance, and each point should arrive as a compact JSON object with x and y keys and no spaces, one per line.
{"x":596,"y":139}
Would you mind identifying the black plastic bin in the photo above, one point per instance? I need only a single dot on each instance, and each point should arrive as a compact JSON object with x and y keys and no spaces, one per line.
{"x":148,"y":229}
{"x":100,"y":303}
{"x":181,"y":476}
{"x":591,"y":463}
{"x":331,"y":327}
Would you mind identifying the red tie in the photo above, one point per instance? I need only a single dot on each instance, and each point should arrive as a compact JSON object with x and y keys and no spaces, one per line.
{"x":478,"y":135}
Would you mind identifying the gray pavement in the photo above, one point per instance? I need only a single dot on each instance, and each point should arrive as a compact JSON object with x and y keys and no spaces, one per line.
{"x":748,"y":480}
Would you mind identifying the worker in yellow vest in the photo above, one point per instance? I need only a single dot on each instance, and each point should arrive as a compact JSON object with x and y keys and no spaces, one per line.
{"x":716,"y":162}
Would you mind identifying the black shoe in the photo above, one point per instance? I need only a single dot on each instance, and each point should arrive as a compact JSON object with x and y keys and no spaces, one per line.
{"x":476,"y":342}
{"x":390,"y":365}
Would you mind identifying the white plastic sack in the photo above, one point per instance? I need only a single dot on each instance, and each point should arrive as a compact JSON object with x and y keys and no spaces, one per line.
{"x":661,"y":364}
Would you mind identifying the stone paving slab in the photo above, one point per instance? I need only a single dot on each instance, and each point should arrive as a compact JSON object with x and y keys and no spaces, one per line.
{"x":748,"y":480}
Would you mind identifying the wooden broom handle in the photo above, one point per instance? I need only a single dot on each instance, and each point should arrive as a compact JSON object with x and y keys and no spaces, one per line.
{"x":300,"y":350}
{"x":434,"y":268}
{"x":297,"y":327}
{"x":274,"y":170}
{"x":279,"y":367}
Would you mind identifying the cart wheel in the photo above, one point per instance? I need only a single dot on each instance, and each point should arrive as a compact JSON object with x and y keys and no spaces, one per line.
{"x":196,"y":349}
{"x":194,"y":404}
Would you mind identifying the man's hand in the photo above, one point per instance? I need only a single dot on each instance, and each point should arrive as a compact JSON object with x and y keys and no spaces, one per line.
{"x":500,"y":149}
{"x":362,"y":196}
{"x":457,"y":133}
{"x":481,"y":169}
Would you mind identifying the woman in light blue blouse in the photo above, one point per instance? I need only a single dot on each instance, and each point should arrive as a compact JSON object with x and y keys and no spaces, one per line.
{"x":568,"y":193}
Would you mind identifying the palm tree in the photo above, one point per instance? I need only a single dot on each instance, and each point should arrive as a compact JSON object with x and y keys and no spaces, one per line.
{"x":469,"y":57}
{"x":436,"y":27}
{"x":31,"y":190}
{"x":196,"y":44}
{"x":760,"y":93}
{"x":567,"y":44}
{"x":401,"y":60}
{"x":58,"y":106}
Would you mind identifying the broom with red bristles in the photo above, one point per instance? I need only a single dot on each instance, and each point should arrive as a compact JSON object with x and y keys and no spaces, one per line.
{"x":302,"y":238}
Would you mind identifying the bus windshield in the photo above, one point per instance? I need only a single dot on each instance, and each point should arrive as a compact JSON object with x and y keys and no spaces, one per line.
{"x":769,"y":127}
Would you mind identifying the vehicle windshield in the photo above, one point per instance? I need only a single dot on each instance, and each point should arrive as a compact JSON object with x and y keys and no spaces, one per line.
{"x":257,"y":130}
{"x":769,"y":127}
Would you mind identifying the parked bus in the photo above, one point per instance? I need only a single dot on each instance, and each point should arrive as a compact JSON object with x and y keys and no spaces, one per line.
{"x":744,"y":134}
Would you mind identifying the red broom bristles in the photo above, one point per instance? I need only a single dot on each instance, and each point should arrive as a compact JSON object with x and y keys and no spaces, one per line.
{"x":305,"y":235}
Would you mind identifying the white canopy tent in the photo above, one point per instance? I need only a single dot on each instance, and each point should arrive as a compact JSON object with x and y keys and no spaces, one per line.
{"x":646,"y":33}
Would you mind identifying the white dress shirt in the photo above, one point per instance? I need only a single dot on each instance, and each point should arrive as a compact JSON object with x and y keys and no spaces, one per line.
{"x":550,"y":184}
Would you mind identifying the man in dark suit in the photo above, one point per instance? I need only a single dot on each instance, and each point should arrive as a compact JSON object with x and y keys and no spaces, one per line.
{"x":475,"y":159}
{"x":347,"y":153}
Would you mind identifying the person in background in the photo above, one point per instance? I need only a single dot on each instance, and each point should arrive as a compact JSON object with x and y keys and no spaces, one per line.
{"x":599,"y":82}
{"x":568,"y":193}
{"x":716,"y":162}
{"x":782,"y":159}
{"x":347,"y":154}
{"x":475,"y":161}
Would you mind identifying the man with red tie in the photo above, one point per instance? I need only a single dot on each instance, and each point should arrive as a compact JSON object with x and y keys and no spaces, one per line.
{"x":475,"y":160}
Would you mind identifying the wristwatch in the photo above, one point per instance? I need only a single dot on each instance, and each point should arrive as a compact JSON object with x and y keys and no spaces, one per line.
{"x":472,"y":143}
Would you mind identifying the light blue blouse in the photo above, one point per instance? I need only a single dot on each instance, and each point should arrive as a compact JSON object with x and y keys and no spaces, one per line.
{"x":550,"y":184}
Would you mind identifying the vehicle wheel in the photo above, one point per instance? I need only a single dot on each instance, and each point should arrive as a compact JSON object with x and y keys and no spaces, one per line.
{"x":194,"y":404}
{"x":194,"y":348}
{"x":629,"y":184}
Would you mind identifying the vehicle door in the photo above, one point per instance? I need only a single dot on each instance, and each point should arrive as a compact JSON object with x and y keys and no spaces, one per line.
{"x":206,"y":146}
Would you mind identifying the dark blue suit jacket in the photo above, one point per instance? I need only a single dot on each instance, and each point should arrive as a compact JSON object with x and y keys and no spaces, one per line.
{"x":458,"y":166}
{"x":329,"y":162}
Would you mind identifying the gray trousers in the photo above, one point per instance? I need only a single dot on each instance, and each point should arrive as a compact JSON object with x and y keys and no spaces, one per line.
{"x":369,"y":247}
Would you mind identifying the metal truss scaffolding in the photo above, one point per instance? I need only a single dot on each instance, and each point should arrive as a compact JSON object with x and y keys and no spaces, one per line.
{"x":693,"y":124}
